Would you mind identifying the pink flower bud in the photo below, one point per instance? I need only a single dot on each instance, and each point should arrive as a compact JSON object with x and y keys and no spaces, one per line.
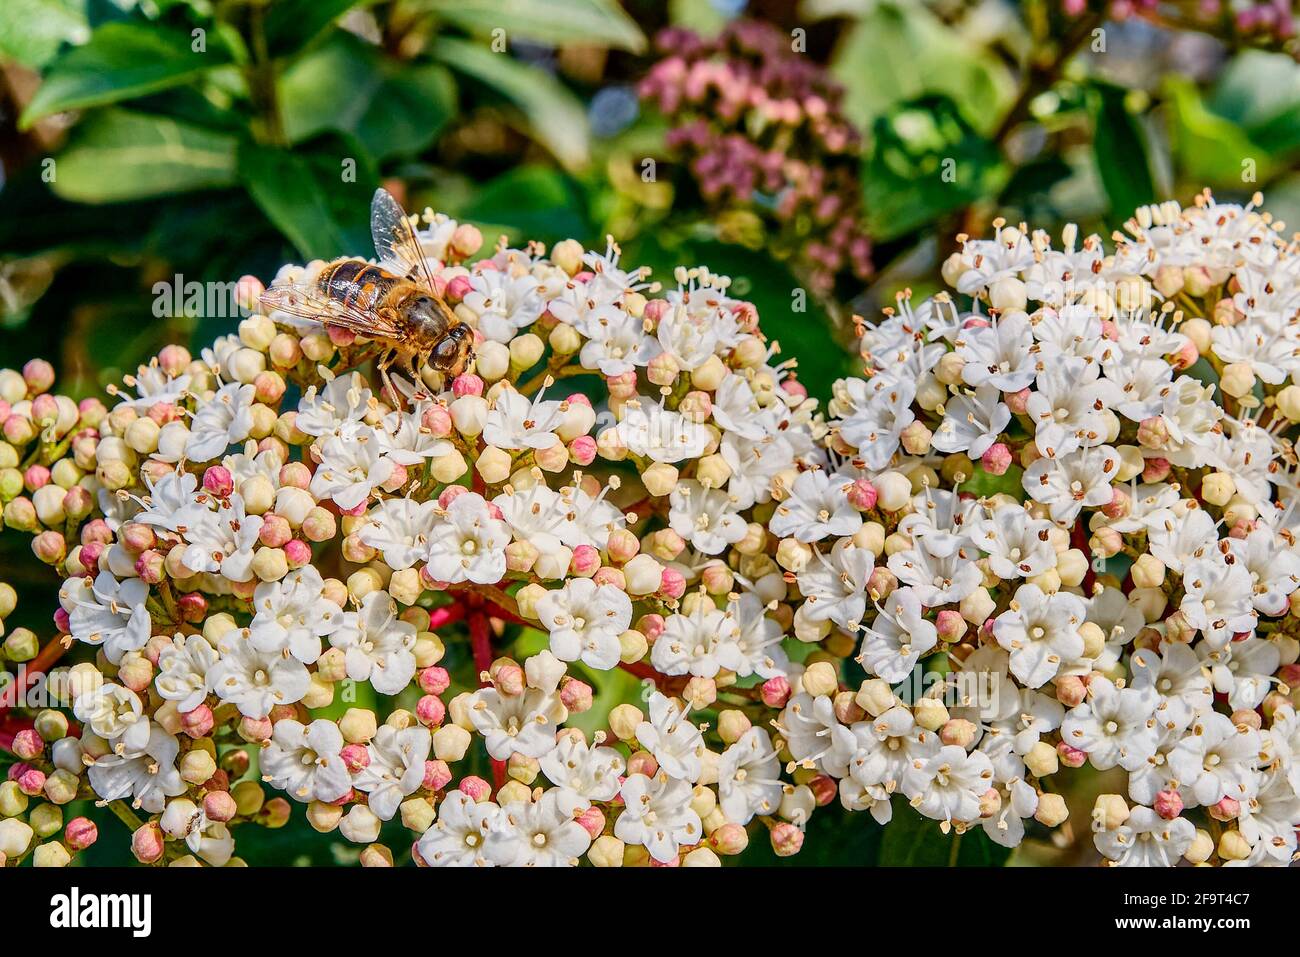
{"x":621,"y":386}
{"x":622,"y":546}
{"x":1017,"y":402}
{"x":1156,"y":470}
{"x":219,"y":806}
{"x":862,"y":495}
{"x":795,"y":388}
{"x":396,"y":479}
{"x":27,"y":744}
{"x":824,"y":789}
{"x":89,"y":557}
{"x":672,"y":583}
{"x":582,"y":450}
{"x":193,"y":606}
{"x":729,"y":839}
{"x":996,"y":459}
{"x":36,"y":476}
{"x":80,"y":833}
{"x":340,"y":336}
{"x":218,"y":480}
{"x":91,"y":412}
{"x":576,"y":695}
{"x":775,"y":692}
{"x":655,"y":309}
{"x":951,"y":626}
{"x":786,"y":839}
{"x":295,"y":475}
{"x":19,"y":430}
{"x":355,"y":757}
{"x":297,"y":552}
{"x":881,"y":583}
{"x":1070,"y":690}
{"x":96,"y":530}
{"x":151,"y":566}
{"x":652,"y":626}
{"x":467,"y":383}
{"x":438,"y":421}
{"x":642,"y":762}
{"x":147,"y":843}
{"x":1226,"y":810}
{"x":1168,"y":804}
{"x":50,"y":547}
{"x":31,"y":782}
{"x":39,"y":376}
{"x":609,"y":575}
{"x":268,"y":387}
{"x":436,"y":775}
{"x":275,"y":531}
{"x":1071,"y":757}
{"x":475,"y":787}
{"x":592,"y":821}
{"x":430,"y":711}
{"x":450,"y":494}
{"x":458,"y":287}
{"x":585,"y":561}
{"x":255,"y":729}
{"x":434,"y":680}
{"x":197,"y":723}
{"x":509,"y":679}
{"x":61,"y":621}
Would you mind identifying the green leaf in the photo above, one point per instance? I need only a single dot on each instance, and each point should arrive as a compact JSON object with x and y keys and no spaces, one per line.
{"x":31,"y":31}
{"x":911,"y":840}
{"x":306,"y":198}
{"x":925,"y":160}
{"x":553,"y":114}
{"x":899,"y":52}
{"x":119,"y":62}
{"x":291,"y":25}
{"x":559,"y":22}
{"x":538,"y":202}
{"x":1211,"y":149}
{"x":393,"y":108}
{"x":118,"y":155}
{"x":1120,"y":149}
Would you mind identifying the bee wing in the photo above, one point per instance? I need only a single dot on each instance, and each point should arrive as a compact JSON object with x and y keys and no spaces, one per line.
{"x":310,"y":304}
{"x":395,"y":238}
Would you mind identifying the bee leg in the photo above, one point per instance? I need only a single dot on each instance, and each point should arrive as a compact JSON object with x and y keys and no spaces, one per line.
{"x":389,"y":390}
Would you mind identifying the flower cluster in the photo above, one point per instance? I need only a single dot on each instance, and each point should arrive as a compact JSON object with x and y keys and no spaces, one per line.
{"x":1051,"y":526}
{"x":760,"y":128}
{"x":1262,"y":21}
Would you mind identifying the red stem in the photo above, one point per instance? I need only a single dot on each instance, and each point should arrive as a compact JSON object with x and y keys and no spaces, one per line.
{"x":446,"y":615}
{"x":480,"y":638}
{"x":48,"y":657}
{"x":9,"y":728}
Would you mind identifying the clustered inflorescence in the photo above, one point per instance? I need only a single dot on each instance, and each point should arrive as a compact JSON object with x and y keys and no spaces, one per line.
{"x":1062,"y":493}
{"x":772,"y":155}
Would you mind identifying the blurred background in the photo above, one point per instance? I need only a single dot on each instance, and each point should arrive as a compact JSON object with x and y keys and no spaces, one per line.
{"x":824,"y":153}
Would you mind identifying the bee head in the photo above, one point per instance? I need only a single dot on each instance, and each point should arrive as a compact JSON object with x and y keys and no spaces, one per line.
{"x":455,"y":351}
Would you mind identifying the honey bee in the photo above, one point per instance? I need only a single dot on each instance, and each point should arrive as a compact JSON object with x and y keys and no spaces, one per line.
{"x":403,"y":312}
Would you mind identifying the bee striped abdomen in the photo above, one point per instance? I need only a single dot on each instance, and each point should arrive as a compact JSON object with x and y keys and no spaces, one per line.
{"x":357,"y":283}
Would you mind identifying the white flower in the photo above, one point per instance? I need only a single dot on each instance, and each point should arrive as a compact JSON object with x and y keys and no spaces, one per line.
{"x":585,"y":621}
{"x":538,"y":833}
{"x":1017,"y":546}
{"x":1041,"y":632}
{"x":938,"y":580}
{"x":1071,"y":482}
{"x":292,"y":615}
{"x":755,"y":645}
{"x":898,"y":637}
{"x":693,"y":644}
{"x":835,"y":586}
{"x":396,"y":767}
{"x":467,"y":543}
{"x":874,"y":426}
{"x":1243,"y":670}
{"x":209,"y":840}
{"x":954,"y":783}
{"x":256,"y":681}
{"x":458,"y":837}
{"x":1217,"y":599}
{"x":672,"y":738}
{"x":657,"y":815}
{"x":616,"y":342}
{"x":972,"y":423}
{"x":153,"y":386}
{"x":377,"y":645}
{"x":817,"y":506}
{"x":1114,"y":725}
{"x":344,"y":401}
{"x":1181,"y":685}
{"x":1146,"y":840}
{"x":222,"y":421}
{"x":749,"y":778}
{"x":1267,"y":820}
{"x":1002,"y":354}
{"x":708,"y":518}
{"x":516,"y":422}
{"x":304,"y":761}
{"x":516,"y":724}
{"x":117,"y":715}
{"x":504,"y":303}
{"x":222,"y":542}
{"x":586,"y":773}
{"x":814,"y":736}
{"x":650,"y":431}
{"x":173,"y":501}
{"x":399,"y":528}
{"x":147,"y":776}
{"x":1069,"y":406}
{"x":183,"y":668}
{"x":1216,"y":759}
{"x":351,"y":467}
{"x":108,"y":613}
